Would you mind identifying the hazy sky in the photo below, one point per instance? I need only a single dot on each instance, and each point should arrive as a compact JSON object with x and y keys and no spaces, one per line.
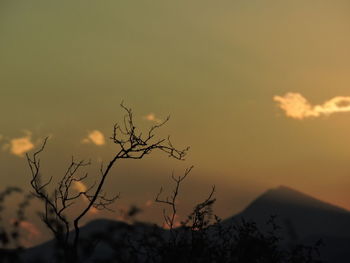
{"x":221,"y":69}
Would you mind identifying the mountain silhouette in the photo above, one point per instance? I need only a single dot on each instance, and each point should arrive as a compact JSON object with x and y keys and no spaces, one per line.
{"x":302,"y":218}
{"x":298,"y":212}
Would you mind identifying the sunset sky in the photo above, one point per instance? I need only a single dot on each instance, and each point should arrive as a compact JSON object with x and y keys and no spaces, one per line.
{"x":260,"y":91}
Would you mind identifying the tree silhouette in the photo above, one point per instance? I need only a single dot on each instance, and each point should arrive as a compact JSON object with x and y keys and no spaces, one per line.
{"x":131,"y":145}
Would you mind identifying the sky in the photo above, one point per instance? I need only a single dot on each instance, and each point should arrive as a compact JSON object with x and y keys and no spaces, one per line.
{"x":258,"y":89}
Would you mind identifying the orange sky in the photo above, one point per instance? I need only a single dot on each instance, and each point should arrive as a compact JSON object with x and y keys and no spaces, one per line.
{"x":258,"y":89}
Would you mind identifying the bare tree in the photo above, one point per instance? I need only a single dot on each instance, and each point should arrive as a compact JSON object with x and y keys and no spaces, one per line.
{"x":200,"y":212}
{"x":171,"y":201}
{"x":131,"y":145}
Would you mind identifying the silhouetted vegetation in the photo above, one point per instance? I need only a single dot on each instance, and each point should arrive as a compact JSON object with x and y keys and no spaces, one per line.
{"x":202,"y":237}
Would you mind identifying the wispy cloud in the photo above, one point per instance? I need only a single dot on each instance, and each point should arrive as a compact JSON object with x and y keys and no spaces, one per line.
{"x":96,"y":137}
{"x":19,"y":146}
{"x":298,"y":107}
{"x":152,"y":117}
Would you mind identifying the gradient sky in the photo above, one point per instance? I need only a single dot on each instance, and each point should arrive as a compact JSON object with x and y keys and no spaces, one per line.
{"x":214,"y":66}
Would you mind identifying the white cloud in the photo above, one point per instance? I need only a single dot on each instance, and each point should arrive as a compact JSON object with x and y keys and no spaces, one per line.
{"x":96,"y":137}
{"x":152,"y":117}
{"x":19,"y":146}
{"x":297,"y":106}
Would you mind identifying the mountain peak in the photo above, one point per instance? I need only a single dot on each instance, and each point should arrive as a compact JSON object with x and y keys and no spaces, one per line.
{"x":283,"y":197}
{"x":286,"y":193}
{"x":299,"y":215}
{"x":285,"y":190}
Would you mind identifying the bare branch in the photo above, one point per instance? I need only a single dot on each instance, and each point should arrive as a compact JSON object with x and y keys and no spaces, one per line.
{"x":171,"y":200}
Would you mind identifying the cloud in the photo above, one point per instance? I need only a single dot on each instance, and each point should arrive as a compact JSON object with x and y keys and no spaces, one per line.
{"x":30,"y":232}
{"x":149,"y":203}
{"x":152,"y":117}
{"x":31,"y":229}
{"x":177,"y":222}
{"x":96,"y":137}
{"x":79,"y":186}
{"x":296,"y":106}
{"x":19,"y":146}
{"x":93,"y":210}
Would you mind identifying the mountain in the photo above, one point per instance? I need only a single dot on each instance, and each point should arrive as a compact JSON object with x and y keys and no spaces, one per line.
{"x":300,"y":214}
{"x":106,"y":231}
{"x":302,"y":218}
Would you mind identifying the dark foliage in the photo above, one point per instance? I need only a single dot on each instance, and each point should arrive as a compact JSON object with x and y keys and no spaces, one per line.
{"x":202,"y":237}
